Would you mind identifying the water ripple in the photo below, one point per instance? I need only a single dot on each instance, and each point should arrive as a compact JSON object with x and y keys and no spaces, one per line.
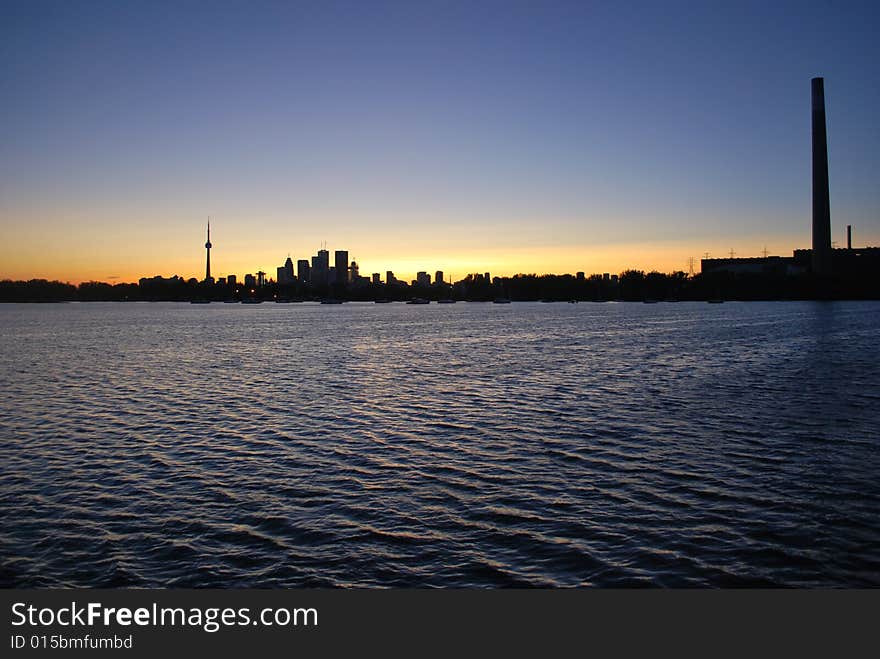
{"x":467,"y":445}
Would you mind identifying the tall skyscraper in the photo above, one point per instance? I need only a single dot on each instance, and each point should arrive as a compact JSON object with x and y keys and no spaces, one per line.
{"x":208,"y":251}
{"x":285,"y":272}
{"x":302,"y":270}
{"x":821,"y":202}
{"x":438,"y":277}
{"x":320,"y":268}
{"x":340,"y":262}
{"x":324,"y":258}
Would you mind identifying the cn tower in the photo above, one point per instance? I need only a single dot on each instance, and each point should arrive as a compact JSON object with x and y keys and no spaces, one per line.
{"x":208,"y":250}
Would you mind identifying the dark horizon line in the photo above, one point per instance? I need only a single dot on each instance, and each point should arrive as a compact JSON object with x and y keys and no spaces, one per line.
{"x":398,"y":281}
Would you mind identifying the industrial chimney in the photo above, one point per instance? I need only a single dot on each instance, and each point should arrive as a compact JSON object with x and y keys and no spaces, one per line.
{"x":821,"y":203}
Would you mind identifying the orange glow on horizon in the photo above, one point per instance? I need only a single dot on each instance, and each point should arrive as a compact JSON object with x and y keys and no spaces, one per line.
{"x":614,"y":258}
{"x":55,"y":246}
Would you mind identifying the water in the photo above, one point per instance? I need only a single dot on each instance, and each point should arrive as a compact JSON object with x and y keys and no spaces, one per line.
{"x":456,"y":445}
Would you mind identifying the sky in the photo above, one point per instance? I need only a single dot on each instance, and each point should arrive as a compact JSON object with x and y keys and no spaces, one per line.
{"x":545,"y":137}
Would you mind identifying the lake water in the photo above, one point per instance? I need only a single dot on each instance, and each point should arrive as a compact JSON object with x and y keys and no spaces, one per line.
{"x":670,"y":444}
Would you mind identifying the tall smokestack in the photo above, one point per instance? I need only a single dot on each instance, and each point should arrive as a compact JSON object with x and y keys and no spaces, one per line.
{"x":821,"y":203}
{"x":849,"y":236}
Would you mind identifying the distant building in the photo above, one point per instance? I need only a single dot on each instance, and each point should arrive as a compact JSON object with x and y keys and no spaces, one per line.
{"x":302,"y":270}
{"x":579,"y":276}
{"x":320,"y":268}
{"x":488,"y":278}
{"x":231,"y":280}
{"x":766,"y":265}
{"x":285,"y":274}
{"x":261,"y":278}
{"x":340,"y":262}
{"x":353,"y":272}
{"x":390,"y":278}
{"x":317,"y":274}
{"x":377,"y":279}
{"x":250,"y":281}
{"x":423,"y":279}
{"x":438,"y":277}
{"x":860,"y":262}
{"x":848,"y":262}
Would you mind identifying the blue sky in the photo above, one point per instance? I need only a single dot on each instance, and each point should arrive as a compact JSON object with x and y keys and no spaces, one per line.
{"x":550,"y":137}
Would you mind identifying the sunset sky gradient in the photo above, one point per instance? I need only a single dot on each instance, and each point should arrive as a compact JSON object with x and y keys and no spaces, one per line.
{"x":461,"y":136}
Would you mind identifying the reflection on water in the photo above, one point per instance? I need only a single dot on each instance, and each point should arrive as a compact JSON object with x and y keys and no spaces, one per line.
{"x":444,"y":445}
